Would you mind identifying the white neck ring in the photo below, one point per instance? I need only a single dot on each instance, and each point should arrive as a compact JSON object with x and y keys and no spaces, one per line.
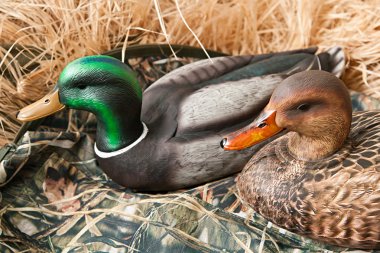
{"x":102,"y":154}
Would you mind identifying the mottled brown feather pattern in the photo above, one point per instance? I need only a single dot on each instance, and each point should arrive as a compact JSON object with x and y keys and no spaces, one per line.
{"x":335,"y":199}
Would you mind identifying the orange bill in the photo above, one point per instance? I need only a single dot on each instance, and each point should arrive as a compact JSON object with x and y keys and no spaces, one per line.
{"x":261,"y":129}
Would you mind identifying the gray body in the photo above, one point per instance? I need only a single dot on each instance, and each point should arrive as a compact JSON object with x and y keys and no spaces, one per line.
{"x":189,"y":111}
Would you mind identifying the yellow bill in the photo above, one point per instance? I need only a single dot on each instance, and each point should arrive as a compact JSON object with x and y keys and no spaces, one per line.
{"x":46,"y":106}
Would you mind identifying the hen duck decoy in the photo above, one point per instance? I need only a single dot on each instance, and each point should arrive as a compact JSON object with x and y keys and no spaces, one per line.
{"x":168,"y":137}
{"x":322,"y":178}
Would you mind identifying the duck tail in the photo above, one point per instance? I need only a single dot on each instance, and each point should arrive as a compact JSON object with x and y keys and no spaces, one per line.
{"x":333,"y":60}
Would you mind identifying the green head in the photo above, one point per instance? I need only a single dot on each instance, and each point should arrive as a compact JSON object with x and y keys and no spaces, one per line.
{"x":104,"y":86}
{"x":91,"y":82}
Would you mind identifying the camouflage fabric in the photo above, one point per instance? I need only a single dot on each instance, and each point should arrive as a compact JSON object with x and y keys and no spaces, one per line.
{"x":61,"y":201}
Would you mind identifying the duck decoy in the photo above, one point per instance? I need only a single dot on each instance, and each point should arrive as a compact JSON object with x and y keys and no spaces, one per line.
{"x":168,"y":137}
{"x":321,"y":178}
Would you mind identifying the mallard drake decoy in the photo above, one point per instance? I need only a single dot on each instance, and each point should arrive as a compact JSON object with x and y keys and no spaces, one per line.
{"x":168,"y":137}
{"x":322,"y":178}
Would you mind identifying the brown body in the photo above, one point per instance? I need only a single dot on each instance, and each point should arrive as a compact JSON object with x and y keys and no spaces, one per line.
{"x":322,"y":178}
{"x":336,"y":200}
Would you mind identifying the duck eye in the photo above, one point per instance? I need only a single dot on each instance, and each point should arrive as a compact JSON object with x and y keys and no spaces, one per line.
{"x":303,"y":107}
{"x":262,"y":124}
{"x":81,"y":86}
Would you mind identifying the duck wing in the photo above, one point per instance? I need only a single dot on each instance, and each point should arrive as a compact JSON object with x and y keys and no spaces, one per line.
{"x":161,"y":101}
{"x":225,"y":105}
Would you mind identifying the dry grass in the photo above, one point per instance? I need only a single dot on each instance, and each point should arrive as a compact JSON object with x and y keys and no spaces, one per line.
{"x":65,"y":30}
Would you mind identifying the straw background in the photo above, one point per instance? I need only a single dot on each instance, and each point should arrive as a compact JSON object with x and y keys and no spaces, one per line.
{"x":65,"y":30}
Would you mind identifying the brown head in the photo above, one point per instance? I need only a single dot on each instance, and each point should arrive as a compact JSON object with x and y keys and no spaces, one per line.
{"x":314,"y":105}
